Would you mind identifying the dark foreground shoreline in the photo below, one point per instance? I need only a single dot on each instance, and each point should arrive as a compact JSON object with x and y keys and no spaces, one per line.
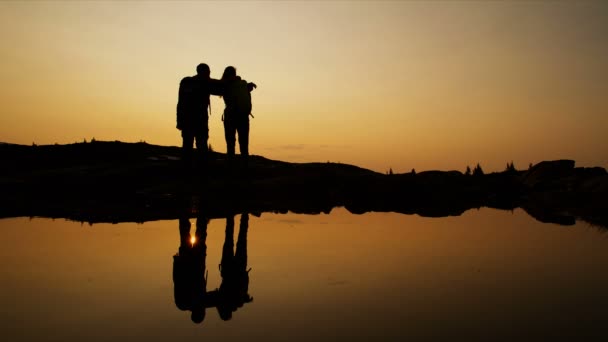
{"x":137,"y":182}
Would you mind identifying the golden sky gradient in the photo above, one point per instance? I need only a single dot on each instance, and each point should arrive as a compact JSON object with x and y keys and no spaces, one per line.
{"x":425,"y":85}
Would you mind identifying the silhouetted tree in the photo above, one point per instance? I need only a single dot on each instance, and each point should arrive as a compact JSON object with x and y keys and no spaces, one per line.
{"x":468,"y":171}
{"x":390,"y":171}
{"x":510,"y":168}
{"x":414,"y":172}
{"x":530,"y":166}
{"x":210,"y":148}
{"x":477,"y":171}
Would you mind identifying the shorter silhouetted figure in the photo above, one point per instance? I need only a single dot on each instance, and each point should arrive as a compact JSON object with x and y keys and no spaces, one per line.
{"x":234,"y":289}
{"x":192,"y":115}
{"x":189,"y":280}
{"x":237,"y":98}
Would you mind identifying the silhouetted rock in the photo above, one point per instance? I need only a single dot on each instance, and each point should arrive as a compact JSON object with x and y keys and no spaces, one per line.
{"x":595,"y":184}
{"x":548,"y":171}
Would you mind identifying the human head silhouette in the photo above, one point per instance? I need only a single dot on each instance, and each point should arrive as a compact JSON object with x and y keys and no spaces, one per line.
{"x":229,"y":73}
{"x":224,"y":312}
{"x":202,"y":70}
{"x":198,"y":315}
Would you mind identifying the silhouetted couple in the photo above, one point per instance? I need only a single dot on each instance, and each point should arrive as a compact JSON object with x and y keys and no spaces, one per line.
{"x":189,"y":271}
{"x":193,"y":117}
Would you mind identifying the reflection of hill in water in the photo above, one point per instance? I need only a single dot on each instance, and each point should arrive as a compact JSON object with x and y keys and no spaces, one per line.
{"x":115,"y":182}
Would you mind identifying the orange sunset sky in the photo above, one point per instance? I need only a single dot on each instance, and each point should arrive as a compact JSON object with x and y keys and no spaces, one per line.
{"x":401,"y":85}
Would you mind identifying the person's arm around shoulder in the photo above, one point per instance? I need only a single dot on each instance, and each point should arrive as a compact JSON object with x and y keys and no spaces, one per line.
{"x":216,"y":87}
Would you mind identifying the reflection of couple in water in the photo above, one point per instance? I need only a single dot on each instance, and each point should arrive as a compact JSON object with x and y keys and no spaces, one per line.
{"x":189,"y":271}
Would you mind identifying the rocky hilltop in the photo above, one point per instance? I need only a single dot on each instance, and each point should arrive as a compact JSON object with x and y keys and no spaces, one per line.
{"x":118,"y":182}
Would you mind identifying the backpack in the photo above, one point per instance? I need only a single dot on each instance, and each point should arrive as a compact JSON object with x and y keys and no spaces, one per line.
{"x":238,"y":98}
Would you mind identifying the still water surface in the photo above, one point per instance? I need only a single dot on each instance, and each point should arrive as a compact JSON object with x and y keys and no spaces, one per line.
{"x":486,"y":275}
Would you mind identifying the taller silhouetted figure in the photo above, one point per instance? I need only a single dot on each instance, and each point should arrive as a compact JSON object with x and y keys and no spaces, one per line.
{"x":192,"y":115}
{"x":189,"y":281}
{"x":237,"y":98}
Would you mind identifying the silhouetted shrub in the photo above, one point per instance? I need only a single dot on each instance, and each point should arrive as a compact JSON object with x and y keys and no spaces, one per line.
{"x":510,"y":168}
{"x":477,"y":171}
{"x":468,"y":171}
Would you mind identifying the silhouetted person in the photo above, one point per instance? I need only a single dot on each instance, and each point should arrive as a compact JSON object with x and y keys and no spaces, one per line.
{"x":192,"y":114}
{"x":234,"y":290}
{"x":189,"y":281}
{"x":237,"y":98}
